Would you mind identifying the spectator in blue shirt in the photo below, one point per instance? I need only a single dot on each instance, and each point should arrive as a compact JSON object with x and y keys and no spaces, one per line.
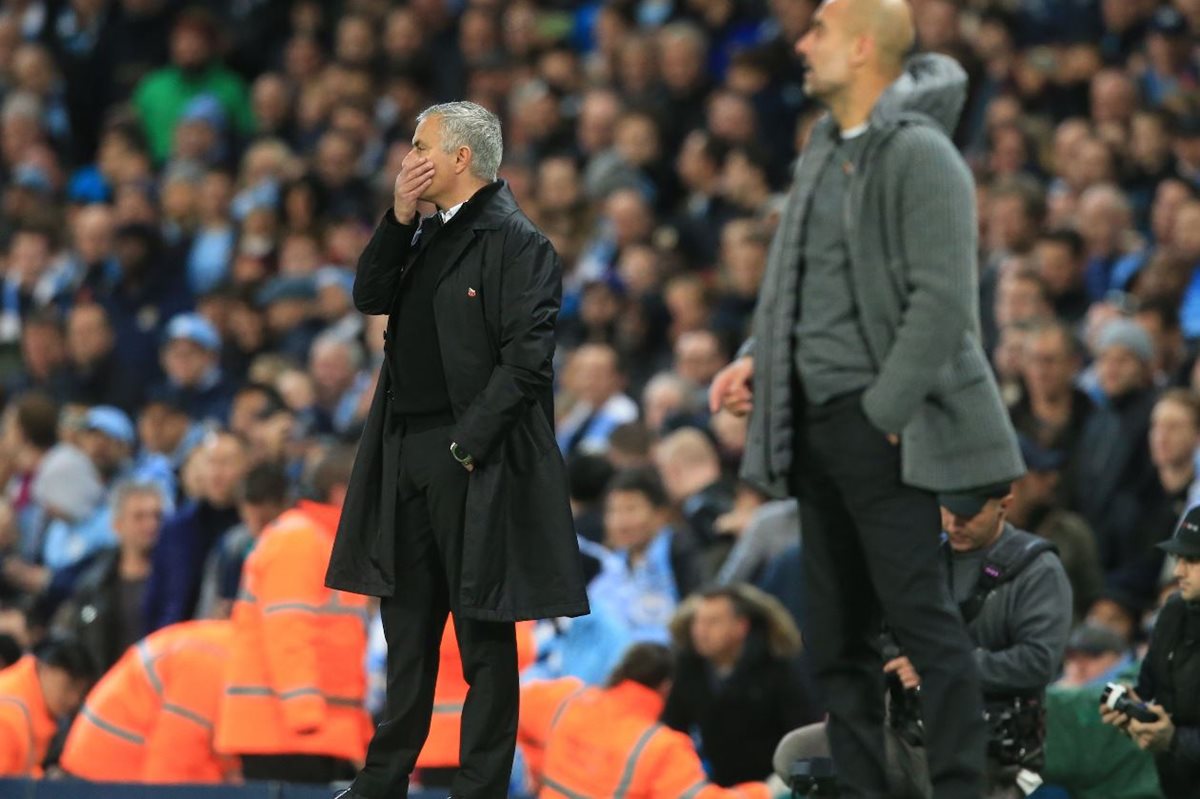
{"x":190,"y":359}
{"x":645,"y":565}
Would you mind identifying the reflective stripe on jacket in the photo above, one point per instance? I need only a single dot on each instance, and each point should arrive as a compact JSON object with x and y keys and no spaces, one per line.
{"x":607,"y":744}
{"x":150,"y":719}
{"x":445,"y":727}
{"x":542,"y":701}
{"x":26,"y":725}
{"x":295,"y":682}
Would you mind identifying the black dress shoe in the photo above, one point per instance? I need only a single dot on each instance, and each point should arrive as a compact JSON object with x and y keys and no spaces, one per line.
{"x":349,"y":794}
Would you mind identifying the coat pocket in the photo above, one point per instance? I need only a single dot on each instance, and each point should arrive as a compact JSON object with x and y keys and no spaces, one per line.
{"x":968,"y":367}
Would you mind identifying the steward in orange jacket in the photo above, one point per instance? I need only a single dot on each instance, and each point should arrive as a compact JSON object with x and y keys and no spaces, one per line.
{"x":607,"y":743}
{"x":295,"y":682}
{"x":35,"y":693}
{"x":450,"y":692}
{"x":150,"y":719}
{"x":540,"y":703}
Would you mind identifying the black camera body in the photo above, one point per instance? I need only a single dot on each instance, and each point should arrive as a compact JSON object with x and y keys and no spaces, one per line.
{"x":1116,"y":697}
{"x":1016,"y":731}
{"x":813,"y":776}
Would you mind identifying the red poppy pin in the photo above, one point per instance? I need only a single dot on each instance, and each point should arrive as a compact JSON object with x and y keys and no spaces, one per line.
{"x":470,"y":292}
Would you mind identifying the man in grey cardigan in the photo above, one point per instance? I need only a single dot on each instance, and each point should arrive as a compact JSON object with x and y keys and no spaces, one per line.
{"x":870,"y":390}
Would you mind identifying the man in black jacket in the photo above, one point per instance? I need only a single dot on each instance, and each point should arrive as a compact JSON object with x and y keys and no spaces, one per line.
{"x":1169,"y":680}
{"x":736,"y":680}
{"x":1114,"y":472}
{"x":458,"y":502}
{"x":106,"y":613}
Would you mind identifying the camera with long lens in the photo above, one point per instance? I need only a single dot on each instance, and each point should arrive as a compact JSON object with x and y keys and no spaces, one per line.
{"x":1116,"y":697}
{"x":812,"y":776}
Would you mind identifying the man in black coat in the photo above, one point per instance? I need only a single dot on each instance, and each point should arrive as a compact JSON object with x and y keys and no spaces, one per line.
{"x":1169,"y":680}
{"x":1115,"y":474}
{"x":458,"y":502}
{"x":736,"y":682}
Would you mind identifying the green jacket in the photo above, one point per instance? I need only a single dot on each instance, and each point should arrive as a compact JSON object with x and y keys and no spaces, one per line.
{"x":161,"y":96}
{"x":1087,"y":757}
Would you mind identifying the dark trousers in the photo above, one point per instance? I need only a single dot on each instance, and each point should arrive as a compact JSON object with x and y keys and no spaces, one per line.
{"x":871,"y":554}
{"x":302,"y":769}
{"x":432,"y":494}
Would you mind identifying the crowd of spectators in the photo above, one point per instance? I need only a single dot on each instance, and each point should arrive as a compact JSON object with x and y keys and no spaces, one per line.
{"x":185,"y":192}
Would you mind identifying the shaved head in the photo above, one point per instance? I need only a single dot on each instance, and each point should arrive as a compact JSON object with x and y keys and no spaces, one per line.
{"x":889,"y":23}
{"x":855,"y":47}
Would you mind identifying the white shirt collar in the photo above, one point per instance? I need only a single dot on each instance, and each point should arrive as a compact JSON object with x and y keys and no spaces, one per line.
{"x":855,"y":131}
{"x":449,"y":213}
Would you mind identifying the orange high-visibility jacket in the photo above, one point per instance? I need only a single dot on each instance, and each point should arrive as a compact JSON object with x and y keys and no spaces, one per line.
{"x":26,"y":725}
{"x":445,"y":727}
{"x":295,"y":681}
{"x":541,"y":701}
{"x":150,"y":718}
{"x":607,"y":744}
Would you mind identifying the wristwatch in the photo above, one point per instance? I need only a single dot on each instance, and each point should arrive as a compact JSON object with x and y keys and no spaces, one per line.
{"x":460,"y":456}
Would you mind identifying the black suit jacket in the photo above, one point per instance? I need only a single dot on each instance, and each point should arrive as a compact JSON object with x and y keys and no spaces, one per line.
{"x":495,"y":305}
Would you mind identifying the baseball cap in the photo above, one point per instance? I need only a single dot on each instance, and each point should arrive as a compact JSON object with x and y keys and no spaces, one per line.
{"x":195,"y":328}
{"x":1094,"y":639}
{"x":87,"y":186}
{"x":1186,"y":541}
{"x":204,"y":108}
{"x":1169,"y":22}
{"x":335,"y":276}
{"x":967,"y":504}
{"x":1128,"y":334}
{"x":32,"y":177}
{"x":171,"y":400}
{"x":282,"y":288}
{"x":110,"y":421}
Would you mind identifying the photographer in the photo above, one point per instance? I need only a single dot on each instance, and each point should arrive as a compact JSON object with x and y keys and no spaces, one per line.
{"x":1016,"y":601}
{"x":1168,"y":684}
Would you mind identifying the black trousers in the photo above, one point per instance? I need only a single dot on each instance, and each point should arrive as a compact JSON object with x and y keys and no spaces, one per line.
{"x":432,"y":494}
{"x":302,"y":769}
{"x":871,"y":554}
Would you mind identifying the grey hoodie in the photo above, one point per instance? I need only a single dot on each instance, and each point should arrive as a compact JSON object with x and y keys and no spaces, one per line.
{"x":912,"y":242}
{"x":67,"y":484}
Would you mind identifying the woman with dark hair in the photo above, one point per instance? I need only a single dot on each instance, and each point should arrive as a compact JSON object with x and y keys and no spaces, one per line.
{"x":303,"y":205}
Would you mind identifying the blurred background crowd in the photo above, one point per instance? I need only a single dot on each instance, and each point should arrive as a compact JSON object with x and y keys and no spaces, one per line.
{"x":185,"y":191}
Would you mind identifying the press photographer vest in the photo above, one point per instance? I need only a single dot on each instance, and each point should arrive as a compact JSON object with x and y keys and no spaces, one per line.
{"x":1016,"y":722}
{"x":1007,"y":559}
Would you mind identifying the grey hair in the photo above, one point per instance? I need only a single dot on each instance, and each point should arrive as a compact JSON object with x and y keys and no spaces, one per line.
{"x":127,"y":489}
{"x":21,"y":104}
{"x":685,"y":31}
{"x":670,"y":380}
{"x":466,"y":124}
{"x":1107,"y":193}
{"x":352,"y":349}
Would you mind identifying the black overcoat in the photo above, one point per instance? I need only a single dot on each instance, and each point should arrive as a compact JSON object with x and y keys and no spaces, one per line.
{"x":496,"y":302}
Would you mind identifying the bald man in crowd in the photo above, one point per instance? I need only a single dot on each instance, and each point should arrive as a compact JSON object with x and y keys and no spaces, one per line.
{"x":869,"y":390}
